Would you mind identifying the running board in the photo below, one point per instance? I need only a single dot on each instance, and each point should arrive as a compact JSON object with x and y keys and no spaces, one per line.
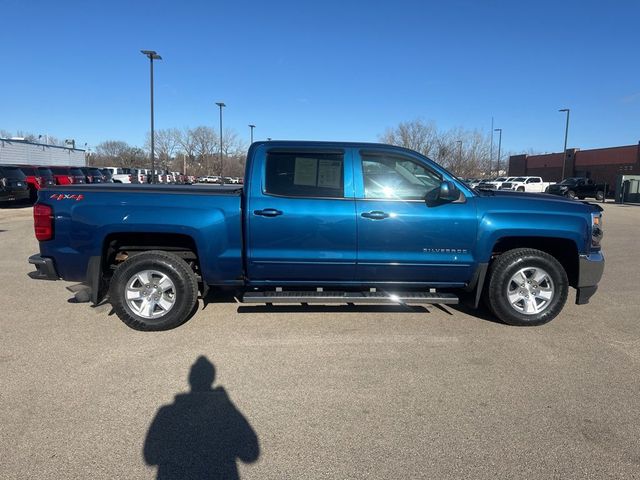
{"x":351,"y":297}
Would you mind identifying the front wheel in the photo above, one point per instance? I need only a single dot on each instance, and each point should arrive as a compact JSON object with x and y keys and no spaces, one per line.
{"x":520,"y":189}
{"x":599,"y":195}
{"x":526,"y":287}
{"x":153,"y":290}
{"x":571,"y":194}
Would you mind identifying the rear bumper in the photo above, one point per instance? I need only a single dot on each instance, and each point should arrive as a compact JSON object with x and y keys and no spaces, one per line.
{"x":590,"y":272}
{"x":45,"y":268}
{"x":14,"y":195}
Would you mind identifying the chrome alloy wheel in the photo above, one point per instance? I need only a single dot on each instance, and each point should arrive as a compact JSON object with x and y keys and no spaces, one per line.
{"x":530,"y":290}
{"x":150,"y":294}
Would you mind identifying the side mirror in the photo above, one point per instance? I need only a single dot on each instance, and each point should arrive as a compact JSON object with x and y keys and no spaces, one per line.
{"x":447,"y":192}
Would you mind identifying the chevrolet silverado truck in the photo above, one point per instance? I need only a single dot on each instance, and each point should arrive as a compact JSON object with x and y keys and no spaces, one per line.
{"x":319,"y":222}
{"x":579,"y":187}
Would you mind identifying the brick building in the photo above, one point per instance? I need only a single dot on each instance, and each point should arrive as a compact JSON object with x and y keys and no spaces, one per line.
{"x":603,"y":165}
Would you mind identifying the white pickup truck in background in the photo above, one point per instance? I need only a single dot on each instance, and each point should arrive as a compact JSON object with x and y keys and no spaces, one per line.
{"x":526,"y":184}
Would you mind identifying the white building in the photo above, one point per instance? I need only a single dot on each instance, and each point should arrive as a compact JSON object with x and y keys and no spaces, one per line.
{"x":22,"y":152}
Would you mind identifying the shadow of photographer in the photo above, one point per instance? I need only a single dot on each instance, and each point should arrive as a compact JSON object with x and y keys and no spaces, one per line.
{"x":201,"y":434}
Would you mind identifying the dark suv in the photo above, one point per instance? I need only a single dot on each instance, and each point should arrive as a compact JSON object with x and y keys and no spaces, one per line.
{"x":37,"y":178}
{"x":13,"y":184}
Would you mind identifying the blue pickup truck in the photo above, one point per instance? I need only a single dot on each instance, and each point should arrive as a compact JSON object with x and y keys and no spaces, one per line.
{"x":320,"y":222}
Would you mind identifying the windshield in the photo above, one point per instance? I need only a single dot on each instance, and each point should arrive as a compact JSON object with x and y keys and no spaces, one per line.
{"x":519,"y":179}
{"x":569,"y":181}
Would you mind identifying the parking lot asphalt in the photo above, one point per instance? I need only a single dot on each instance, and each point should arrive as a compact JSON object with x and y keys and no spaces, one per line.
{"x":335,"y":392}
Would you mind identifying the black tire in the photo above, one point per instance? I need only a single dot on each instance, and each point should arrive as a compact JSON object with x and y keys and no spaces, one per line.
{"x":520,"y":189}
{"x":179,"y":272}
{"x":505,"y":267}
{"x":599,"y":195}
{"x":580,"y":197}
{"x":571,"y":194}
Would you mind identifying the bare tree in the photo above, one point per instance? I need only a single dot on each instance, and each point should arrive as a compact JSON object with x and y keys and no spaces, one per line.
{"x":463,"y":152}
{"x":119,"y":154}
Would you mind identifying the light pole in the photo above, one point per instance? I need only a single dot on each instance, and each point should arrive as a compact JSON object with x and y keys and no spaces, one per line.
{"x":459,"y":142}
{"x":499,"y":148}
{"x":566,"y":134}
{"x":151,"y":55}
{"x":491,"y":148}
{"x":252,"y":127}
{"x":221,"y":105}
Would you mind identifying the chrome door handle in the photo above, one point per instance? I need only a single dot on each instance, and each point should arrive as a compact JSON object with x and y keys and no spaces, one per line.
{"x":375,"y":215}
{"x":268,"y":212}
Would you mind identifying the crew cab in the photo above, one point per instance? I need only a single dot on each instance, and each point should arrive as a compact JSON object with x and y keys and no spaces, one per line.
{"x":319,"y":222}
{"x":525,"y":184}
{"x":579,"y":187}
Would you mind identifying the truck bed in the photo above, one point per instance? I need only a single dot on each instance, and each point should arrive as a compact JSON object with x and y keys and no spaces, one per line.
{"x":210,"y":215}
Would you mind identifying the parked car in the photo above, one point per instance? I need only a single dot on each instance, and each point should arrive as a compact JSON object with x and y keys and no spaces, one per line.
{"x":106,"y":175}
{"x":526,"y":184}
{"x":486,"y":184}
{"x":13,"y":184}
{"x":92,"y":175}
{"x":120,"y":174}
{"x":579,"y":187}
{"x":138,"y":175}
{"x":37,"y":178}
{"x":68,"y":175}
{"x":316,"y":223}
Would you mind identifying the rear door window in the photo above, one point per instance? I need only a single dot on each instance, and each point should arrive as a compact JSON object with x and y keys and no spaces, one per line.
{"x":302,"y":174}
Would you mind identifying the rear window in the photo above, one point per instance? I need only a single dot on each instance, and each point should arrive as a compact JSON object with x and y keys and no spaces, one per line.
{"x":76,"y":171}
{"x":93,"y":171}
{"x":12,"y":172}
{"x":60,"y":170}
{"x":45,"y":172}
{"x":29,"y":171}
{"x":302,"y":174}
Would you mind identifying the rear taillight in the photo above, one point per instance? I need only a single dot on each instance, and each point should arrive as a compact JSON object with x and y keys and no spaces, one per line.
{"x":130,"y":178}
{"x":43,"y":222}
{"x":70,"y":179}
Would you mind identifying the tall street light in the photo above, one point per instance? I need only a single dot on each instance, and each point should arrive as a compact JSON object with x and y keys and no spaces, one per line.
{"x":499,"y":147}
{"x":566,"y":134}
{"x":252,"y":127}
{"x":151,"y":55}
{"x":221,"y":105}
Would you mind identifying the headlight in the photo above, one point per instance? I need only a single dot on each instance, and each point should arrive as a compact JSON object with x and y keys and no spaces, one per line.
{"x":596,"y":229}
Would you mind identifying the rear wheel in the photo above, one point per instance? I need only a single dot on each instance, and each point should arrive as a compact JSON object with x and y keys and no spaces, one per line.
{"x":526,"y":287}
{"x":520,"y":189}
{"x":599,"y":195}
{"x":154,"y":290}
{"x":571,"y":194}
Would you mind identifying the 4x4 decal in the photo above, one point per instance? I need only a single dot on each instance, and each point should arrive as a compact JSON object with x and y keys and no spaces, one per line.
{"x":67,"y":196}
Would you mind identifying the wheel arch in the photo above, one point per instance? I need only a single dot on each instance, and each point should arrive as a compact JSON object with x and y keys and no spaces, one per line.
{"x":118,"y":246}
{"x":562,"y":249}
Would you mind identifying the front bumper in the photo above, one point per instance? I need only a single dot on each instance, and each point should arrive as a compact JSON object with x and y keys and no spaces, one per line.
{"x":591,"y":268}
{"x":45,"y":268}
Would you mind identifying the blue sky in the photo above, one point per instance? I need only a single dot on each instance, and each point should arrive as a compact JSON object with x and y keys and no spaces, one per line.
{"x":327,"y":70}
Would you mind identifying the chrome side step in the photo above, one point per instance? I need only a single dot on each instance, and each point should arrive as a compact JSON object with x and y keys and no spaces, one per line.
{"x":389,"y":298}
